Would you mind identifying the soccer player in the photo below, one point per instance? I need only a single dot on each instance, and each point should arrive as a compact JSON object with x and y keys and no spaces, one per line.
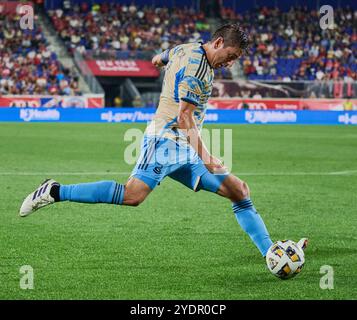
{"x":172,"y":144}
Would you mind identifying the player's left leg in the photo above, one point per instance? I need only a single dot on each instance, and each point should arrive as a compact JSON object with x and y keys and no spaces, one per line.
{"x":249,"y":219}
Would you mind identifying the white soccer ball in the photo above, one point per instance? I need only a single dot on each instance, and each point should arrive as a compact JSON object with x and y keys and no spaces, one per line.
{"x":285,"y":259}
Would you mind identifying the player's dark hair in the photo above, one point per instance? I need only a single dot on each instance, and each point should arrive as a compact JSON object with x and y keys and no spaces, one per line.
{"x":233,"y":36}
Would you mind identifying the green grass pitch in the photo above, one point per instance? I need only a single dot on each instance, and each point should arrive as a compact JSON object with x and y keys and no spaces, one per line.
{"x":178,"y":244}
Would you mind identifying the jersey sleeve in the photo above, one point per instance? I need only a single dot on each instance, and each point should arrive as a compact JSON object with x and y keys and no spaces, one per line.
{"x":165,"y":56}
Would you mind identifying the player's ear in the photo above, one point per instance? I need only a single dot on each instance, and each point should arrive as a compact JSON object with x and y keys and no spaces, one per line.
{"x":218,"y":43}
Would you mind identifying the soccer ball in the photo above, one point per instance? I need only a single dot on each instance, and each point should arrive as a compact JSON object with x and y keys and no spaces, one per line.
{"x":285,"y":259}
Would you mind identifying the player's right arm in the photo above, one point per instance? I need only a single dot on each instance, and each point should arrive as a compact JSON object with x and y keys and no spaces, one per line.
{"x":187,"y":124}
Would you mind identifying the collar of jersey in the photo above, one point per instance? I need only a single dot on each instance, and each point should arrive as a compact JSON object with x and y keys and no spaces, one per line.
{"x":204,"y":52}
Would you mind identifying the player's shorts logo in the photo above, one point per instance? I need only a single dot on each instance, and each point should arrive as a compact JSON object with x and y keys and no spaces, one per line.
{"x":157,"y":170}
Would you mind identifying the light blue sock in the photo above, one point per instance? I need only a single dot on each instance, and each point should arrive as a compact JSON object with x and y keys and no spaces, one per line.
{"x":252,"y":223}
{"x":95,"y":192}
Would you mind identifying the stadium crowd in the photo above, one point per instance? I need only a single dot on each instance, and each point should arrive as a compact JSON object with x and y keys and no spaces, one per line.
{"x":27,"y":64}
{"x":122,"y":28}
{"x":285,"y":45}
{"x":292,"y":45}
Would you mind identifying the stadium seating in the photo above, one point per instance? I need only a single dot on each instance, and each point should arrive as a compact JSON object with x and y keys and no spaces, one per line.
{"x":27,"y":64}
{"x":292,"y":46}
{"x":129,"y":29}
{"x":285,"y":45}
{"x":121,"y":28}
{"x":282,"y":47}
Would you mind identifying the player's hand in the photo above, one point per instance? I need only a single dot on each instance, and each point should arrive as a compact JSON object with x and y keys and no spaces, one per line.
{"x":216,"y":166}
{"x":156,"y":61}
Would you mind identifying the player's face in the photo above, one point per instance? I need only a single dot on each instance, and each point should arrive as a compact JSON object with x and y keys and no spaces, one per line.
{"x":224,"y":56}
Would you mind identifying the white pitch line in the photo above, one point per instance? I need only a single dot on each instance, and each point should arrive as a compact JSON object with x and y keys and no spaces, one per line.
{"x":348,"y":172}
{"x":106,"y":173}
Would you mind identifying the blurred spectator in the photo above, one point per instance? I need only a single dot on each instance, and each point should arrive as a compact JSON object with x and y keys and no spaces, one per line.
{"x":150,"y":104}
{"x":118,"y":102}
{"x":66,"y":6}
{"x":348,"y":105}
{"x":137,"y":102}
{"x":245,"y":105}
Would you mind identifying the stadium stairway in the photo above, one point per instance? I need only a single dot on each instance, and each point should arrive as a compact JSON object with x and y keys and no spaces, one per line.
{"x":59,"y":48}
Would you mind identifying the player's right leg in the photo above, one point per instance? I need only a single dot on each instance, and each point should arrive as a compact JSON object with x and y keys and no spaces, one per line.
{"x":39,"y":198}
{"x":146,"y":175}
{"x":50,"y":191}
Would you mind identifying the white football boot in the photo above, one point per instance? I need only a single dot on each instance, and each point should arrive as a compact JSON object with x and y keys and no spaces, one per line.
{"x":302,"y":243}
{"x":38,"y":199}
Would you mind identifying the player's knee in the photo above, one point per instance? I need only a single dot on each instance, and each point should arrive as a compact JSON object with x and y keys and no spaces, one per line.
{"x":136,"y":192}
{"x":246,"y":191}
{"x":241,"y":191}
{"x":133,"y":202}
{"x":134,"y":197}
{"x":234,"y":189}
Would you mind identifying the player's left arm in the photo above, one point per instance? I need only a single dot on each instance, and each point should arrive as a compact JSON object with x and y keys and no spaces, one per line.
{"x":161,"y":59}
{"x":187,"y":124}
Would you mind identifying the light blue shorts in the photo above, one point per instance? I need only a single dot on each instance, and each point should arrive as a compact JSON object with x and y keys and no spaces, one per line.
{"x":161,"y":157}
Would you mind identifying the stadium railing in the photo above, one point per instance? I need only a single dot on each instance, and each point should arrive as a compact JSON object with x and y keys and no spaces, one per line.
{"x":327,"y":89}
{"x":87,"y":74}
